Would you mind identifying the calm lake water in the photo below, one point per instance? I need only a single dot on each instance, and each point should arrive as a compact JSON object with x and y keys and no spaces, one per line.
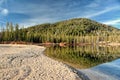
{"x":84,"y":56}
{"x":106,"y":71}
{"x":93,"y":62}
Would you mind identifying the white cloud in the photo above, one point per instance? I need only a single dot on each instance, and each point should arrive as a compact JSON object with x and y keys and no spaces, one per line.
{"x":4,"y":11}
{"x":108,"y":9}
{"x":36,"y":21}
{"x":44,"y":12}
{"x":45,"y":18}
{"x":112,"y":22}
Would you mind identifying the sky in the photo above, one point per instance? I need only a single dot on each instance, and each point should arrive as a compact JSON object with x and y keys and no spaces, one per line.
{"x":31,"y":12}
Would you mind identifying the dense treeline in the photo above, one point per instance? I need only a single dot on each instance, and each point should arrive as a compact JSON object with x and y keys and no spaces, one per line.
{"x":79,"y":30}
{"x":12,"y":33}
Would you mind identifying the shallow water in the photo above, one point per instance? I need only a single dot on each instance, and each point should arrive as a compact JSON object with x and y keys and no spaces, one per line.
{"x":106,"y":71}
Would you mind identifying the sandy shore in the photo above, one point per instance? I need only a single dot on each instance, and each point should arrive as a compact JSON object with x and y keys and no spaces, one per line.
{"x":26,"y":62}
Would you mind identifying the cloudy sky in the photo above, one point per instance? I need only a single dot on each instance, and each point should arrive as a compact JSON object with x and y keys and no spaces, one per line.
{"x":31,"y":12}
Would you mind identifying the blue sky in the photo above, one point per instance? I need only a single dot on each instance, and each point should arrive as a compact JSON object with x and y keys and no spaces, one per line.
{"x":32,"y":12}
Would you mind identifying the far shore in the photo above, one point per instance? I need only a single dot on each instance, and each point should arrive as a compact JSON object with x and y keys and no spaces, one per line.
{"x":63,"y":44}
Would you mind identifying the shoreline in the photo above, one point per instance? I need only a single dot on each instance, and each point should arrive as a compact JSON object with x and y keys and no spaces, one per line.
{"x":81,"y":75}
{"x":34,"y":62}
{"x":64,"y":44}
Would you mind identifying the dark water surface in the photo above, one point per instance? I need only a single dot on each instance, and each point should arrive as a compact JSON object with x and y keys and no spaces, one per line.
{"x":84,"y":56}
{"x":94,"y":62}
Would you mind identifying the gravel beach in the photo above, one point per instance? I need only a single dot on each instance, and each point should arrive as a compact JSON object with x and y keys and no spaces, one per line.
{"x":27,"y":62}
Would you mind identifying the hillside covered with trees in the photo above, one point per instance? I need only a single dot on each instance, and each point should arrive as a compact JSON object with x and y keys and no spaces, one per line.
{"x":79,"y":30}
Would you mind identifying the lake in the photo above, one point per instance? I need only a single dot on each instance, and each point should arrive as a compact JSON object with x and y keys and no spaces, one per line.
{"x":105,"y":71}
{"x":95,"y":62}
{"x":83,"y":56}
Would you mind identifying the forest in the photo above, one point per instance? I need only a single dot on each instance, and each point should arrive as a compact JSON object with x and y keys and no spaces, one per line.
{"x":73,"y":31}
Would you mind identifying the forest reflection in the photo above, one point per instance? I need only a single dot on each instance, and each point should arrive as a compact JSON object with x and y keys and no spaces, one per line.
{"x":83,"y":56}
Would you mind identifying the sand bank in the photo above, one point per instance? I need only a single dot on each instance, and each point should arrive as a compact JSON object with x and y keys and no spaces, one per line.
{"x":26,"y":62}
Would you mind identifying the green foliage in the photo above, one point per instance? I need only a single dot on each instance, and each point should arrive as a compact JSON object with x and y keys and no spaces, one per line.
{"x":74,"y":30}
{"x":70,"y":31}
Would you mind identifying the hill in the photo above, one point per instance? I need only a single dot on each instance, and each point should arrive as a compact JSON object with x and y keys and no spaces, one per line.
{"x":78,"y":30}
{"x":73,"y":26}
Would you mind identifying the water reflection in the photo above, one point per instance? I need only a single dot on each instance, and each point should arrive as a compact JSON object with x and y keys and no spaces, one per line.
{"x":84,"y":56}
{"x":106,"y":71}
